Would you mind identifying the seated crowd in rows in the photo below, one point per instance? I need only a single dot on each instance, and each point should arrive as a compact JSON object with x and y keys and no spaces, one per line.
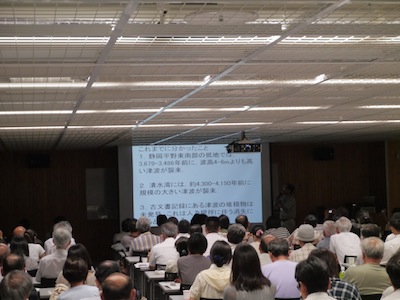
{"x":215,"y":259}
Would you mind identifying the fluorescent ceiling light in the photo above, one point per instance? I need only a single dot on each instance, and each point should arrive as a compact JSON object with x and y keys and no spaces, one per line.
{"x":286,"y":108}
{"x":348,"y":122}
{"x":31,"y":128}
{"x":154,"y":110}
{"x":201,"y":40}
{"x":395,"y":106}
{"x":119,"y":111}
{"x":363,"y":81}
{"x":35,"y":112}
{"x":191,"y":84}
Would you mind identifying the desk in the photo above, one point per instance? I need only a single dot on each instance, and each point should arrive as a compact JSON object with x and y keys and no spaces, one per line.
{"x":45,"y":292}
{"x":176,"y":297}
{"x":139,"y":282}
{"x":152,"y":277}
{"x":169,"y":288}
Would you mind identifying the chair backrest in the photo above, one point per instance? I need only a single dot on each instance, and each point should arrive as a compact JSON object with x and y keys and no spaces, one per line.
{"x":169,"y":276}
{"x":161,"y":267}
{"x":350,"y":259}
{"x":47,"y":282}
{"x":185,"y":286}
{"x":371,"y":297}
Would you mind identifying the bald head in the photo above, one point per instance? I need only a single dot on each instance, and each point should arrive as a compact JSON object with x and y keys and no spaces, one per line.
{"x":118,"y":286}
{"x":19,"y":231}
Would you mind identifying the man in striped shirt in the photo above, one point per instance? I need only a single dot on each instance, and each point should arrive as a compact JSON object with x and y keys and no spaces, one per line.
{"x":146,"y":240}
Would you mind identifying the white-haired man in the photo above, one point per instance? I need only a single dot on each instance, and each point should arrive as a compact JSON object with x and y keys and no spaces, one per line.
{"x":51,"y":265}
{"x":345,"y":243}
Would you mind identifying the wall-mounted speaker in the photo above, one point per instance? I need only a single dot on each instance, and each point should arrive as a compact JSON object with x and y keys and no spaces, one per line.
{"x":323,"y":153}
{"x":38,"y":161}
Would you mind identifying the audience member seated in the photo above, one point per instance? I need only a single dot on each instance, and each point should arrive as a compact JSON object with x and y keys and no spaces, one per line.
{"x":368,"y":230}
{"x":133,"y":233}
{"x":264,"y":256}
{"x":118,"y":286}
{"x":14,"y":262}
{"x":392,"y":245}
{"x":183,"y":229}
{"x":173,"y":220}
{"x":273,"y":226}
{"x":312,"y":276}
{"x":370,"y":278}
{"x":345,"y":242}
{"x":281,"y":271}
{"x":105,"y":269}
{"x":328,"y":229}
{"x":75,"y":271}
{"x":181,"y":245}
{"x":310,"y":219}
{"x":236,"y":234}
{"x":4,"y":251}
{"x":257,"y":231}
{"x":19,"y":231}
{"x":161,"y":219}
{"x":146,"y":240}
{"x":195,"y":228}
{"x":210,"y":283}
{"x":212,"y":233}
{"x":393,"y":270}
{"x":339,"y":289}
{"x":79,"y":251}
{"x":243,"y":220}
{"x":16,"y":285}
{"x":247,"y":281}
{"x":224,"y":223}
{"x":124,"y":230}
{"x":32,"y":238}
{"x":19,"y":246}
{"x":50,"y":245}
{"x":51,"y":265}
{"x":191,"y":265}
{"x":306,"y":236}
{"x":165,"y":251}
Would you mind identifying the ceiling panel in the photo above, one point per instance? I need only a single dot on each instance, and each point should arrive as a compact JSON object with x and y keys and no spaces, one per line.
{"x":88,"y":74}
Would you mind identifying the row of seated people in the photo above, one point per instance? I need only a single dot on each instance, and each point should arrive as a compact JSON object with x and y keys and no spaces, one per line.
{"x":371,"y":250}
{"x":109,"y":283}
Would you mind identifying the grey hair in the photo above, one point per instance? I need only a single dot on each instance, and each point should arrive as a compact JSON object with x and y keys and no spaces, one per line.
{"x":63,"y":224}
{"x":372,"y":247}
{"x":61,"y":237}
{"x":343,"y":224}
{"x":169,"y":229}
{"x":143,"y":224}
{"x":329,"y":227}
{"x":236,"y":233}
{"x":16,"y":285}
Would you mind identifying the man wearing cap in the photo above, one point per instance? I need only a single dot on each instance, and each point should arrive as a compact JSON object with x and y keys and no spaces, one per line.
{"x":306,"y":237}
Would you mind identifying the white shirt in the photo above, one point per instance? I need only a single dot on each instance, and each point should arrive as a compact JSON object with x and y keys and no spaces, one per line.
{"x":345,"y":243}
{"x":51,"y":265}
{"x":212,"y":237}
{"x":35,"y":251}
{"x":50,"y":247}
{"x":163,"y":252}
{"x":391,"y":248}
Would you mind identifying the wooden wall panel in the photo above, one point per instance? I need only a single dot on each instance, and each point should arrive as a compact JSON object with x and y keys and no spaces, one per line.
{"x":393,"y":172}
{"x":357,"y":170}
{"x":40,"y":194}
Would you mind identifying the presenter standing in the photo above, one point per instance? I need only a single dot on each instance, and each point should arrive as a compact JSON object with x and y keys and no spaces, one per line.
{"x":286,"y":204}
